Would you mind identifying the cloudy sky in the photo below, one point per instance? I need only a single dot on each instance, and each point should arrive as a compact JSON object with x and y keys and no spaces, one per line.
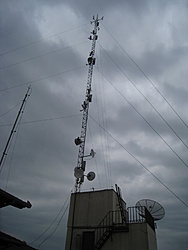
{"x":138,"y":122}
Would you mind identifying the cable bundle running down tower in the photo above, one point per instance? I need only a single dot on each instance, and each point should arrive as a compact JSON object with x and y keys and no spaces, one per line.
{"x":80,"y":141}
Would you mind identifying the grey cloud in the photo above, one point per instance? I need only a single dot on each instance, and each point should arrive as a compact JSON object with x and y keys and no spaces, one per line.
{"x":41,"y":163}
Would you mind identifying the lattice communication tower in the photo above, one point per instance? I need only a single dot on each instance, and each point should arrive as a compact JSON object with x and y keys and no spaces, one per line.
{"x":80,"y":141}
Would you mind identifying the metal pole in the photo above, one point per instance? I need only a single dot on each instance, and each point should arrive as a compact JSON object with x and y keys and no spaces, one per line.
{"x":13,"y":128}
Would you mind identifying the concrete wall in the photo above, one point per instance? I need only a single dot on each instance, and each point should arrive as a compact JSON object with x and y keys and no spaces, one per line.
{"x":91,"y":207}
{"x":139,"y":237}
{"x":86,"y":211}
{"x":152,"y":240}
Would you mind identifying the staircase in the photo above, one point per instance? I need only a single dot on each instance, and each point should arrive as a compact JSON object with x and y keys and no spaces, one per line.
{"x":112,"y":222}
{"x":104,"y":238}
{"x":122,"y":211}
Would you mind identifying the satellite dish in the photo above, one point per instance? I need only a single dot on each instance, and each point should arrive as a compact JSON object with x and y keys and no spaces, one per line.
{"x":153,"y":207}
{"x":91,"y":176}
{"x":78,"y":172}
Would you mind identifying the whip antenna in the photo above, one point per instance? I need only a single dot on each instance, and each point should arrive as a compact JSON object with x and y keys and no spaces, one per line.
{"x":13,"y":128}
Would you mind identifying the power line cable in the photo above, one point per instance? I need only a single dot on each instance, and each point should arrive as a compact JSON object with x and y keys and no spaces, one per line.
{"x":10,"y":110}
{"x":42,"y":78}
{"x":102,"y":144}
{"x":44,"y":120}
{"x":54,"y":229}
{"x":52,"y":221}
{"x":146,"y":121}
{"x":101,"y":111}
{"x":42,"y":39}
{"x":35,"y":57}
{"x":134,"y":157}
{"x":94,"y":157}
{"x":136,"y":64}
{"x":146,"y":98}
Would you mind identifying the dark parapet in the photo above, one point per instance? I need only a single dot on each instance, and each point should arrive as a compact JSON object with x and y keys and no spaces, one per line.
{"x":11,"y":243}
{"x":7,"y":199}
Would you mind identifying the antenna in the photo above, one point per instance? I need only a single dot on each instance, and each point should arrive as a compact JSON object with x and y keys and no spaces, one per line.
{"x":14,"y":126}
{"x":91,"y":176}
{"x":154,"y":208}
{"x":80,"y":141}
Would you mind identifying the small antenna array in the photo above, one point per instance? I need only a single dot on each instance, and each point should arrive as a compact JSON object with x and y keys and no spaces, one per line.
{"x":80,"y":141}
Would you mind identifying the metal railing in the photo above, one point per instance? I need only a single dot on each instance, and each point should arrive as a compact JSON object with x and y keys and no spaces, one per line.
{"x":140,"y":215}
{"x":112,"y":220}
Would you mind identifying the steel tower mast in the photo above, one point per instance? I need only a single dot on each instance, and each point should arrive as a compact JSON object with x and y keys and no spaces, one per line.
{"x":21,"y":110}
{"x":80,"y":141}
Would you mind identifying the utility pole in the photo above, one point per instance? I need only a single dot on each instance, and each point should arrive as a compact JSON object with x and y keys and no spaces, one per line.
{"x":80,"y":141}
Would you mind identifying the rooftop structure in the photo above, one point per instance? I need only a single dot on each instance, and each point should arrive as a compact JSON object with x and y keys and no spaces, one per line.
{"x":101,"y":220}
{"x":11,"y":243}
{"x":7,"y":199}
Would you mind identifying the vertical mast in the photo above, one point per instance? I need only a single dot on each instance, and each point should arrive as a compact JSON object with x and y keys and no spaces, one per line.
{"x":80,"y":141}
{"x":14,"y":126}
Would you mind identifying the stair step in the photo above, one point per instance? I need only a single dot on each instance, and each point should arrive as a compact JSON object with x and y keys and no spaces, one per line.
{"x":104,"y":237}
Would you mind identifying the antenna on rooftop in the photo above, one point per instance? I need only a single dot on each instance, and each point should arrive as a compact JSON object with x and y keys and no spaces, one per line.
{"x":80,"y":141}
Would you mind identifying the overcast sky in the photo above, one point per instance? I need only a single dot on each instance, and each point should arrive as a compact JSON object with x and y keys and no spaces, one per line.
{"x":138,"y":122}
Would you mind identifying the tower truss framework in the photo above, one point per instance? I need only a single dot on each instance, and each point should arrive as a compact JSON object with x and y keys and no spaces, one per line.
{"x":80,"y":141}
